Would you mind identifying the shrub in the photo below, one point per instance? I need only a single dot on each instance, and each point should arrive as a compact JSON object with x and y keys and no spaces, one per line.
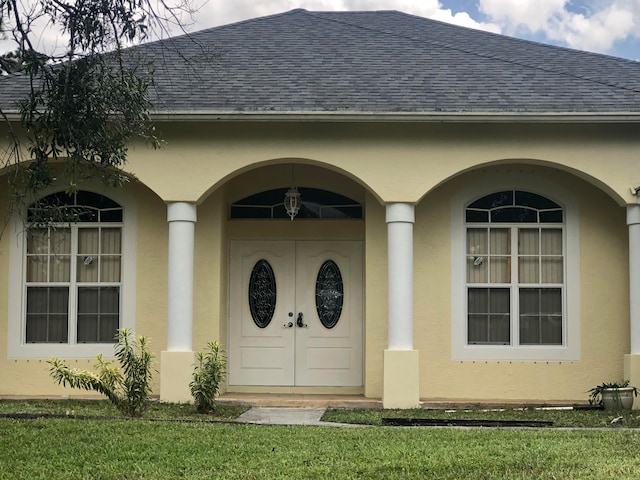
{"x":207,"y":376}
{"x":127,"y":387}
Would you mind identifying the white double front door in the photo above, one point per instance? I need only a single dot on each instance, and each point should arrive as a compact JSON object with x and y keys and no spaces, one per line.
{"x":295,"y":313}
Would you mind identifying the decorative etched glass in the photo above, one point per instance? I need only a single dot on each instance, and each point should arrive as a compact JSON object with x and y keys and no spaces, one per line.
{"x":262,"y":293}
{"x":329,"y":294}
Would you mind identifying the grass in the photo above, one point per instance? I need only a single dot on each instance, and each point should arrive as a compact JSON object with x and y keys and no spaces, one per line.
{"x":99,"y":449}
{"x":120,"y":449}
{"x":560,"y":418}
{"x":103,"y":408}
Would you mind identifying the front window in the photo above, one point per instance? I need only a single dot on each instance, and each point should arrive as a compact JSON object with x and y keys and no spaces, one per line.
{"x":73,"y":270}
{"x":515,"y":270}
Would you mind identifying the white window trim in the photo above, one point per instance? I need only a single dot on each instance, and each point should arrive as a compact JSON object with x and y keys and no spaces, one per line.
{"x":16,"y":346}
{"x":460,"y":350}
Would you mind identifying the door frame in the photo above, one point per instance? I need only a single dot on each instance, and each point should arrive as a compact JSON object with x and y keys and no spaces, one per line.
{"x":358,"y":342}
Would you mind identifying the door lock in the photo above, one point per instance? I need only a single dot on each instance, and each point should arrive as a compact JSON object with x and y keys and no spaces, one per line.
{"x":299,"y":321}
{"x":288,"y":325}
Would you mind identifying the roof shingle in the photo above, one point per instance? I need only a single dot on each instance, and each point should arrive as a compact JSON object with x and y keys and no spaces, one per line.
{"x":376,"y":62}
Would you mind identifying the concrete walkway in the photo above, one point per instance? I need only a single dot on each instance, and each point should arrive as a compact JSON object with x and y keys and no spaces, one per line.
{"x":287,"y":416}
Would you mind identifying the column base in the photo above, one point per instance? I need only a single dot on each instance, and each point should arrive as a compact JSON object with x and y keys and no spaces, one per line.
{"x":176,"y":369}
{"x":401,"y":388}
{"x":632,"y":373}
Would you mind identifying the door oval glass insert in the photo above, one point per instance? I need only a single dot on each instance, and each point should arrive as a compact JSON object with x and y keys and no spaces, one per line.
{"x":329,"y":294}
{"x":262,"y":293}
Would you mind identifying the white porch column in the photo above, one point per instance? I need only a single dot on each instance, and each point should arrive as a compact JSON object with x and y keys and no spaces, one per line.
{"x":401,"y":377}
{"x":632,"y":361}
{"x":176,"y":363}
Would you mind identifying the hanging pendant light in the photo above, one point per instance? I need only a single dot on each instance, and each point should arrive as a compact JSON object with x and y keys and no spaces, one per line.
{"x":292,"y":199}
{"x":292,"y":202}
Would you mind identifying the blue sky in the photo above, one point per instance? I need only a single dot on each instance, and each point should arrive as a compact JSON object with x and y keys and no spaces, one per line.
{"x":605,"y":26}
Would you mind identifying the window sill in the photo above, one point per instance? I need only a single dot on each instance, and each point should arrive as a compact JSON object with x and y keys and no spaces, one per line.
{"x":49,"y":350}
{"x":560,"y":353}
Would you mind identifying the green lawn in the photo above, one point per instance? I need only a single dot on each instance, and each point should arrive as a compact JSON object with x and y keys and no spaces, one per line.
{"x":186,"y":445}
{"x":560,"y":418}
{"x":121,"y":449}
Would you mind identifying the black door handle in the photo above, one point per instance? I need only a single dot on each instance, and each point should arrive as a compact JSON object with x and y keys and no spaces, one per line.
{"x":299,"y":321}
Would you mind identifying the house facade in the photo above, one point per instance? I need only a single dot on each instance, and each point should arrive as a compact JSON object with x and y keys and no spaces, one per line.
{"x":468,"y":226}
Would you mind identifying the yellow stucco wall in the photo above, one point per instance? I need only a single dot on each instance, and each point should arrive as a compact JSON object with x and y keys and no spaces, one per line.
{"x":30,"y":376}
{"x":214,"y":164}
{"x":603,"y":292}
{"x":431,"y":153}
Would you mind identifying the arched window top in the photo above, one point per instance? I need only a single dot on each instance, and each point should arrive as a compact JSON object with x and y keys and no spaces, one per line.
{"x":514,"y":206}
{"x":82,"y":206}
{"x":316,"y":204}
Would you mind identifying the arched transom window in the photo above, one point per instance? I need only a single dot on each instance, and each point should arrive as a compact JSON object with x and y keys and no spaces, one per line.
{"x":316,"y":204}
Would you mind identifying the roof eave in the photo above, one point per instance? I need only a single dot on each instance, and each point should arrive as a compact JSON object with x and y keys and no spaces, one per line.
{"x":381,"y":117}
{"x":373,"y":117}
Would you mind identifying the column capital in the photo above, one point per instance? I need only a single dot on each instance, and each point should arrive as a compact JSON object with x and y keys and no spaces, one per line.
{"x":181,"y":212}
{"x":401,"y":213}
{"x":633,"y":214}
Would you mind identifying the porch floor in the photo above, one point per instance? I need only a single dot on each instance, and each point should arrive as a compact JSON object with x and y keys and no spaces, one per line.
{"x":299,"y":400}
{"x":291,"y":400}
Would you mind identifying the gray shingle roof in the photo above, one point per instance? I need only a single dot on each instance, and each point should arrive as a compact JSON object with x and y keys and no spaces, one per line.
{"x":383,"y":62}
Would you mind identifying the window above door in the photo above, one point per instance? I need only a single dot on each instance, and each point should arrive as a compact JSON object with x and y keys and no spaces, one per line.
{"x":316,"y":204}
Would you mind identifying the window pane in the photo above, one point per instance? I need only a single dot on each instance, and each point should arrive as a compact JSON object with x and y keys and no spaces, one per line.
{"x":87,"y":329}
{"x":489,"y":316}
{"x":540,"y":316}
{"x":38,"y":241}
{"x":552,"y":262}
{"x":477,"y":250}
{"x":499,"y":238}
{"x":551,"y":241}
{"x":316,"y":203}
{"x":500,"y":266}
{"x":534,"y":200}
{"x":477,"y":216}
{"x":494,"y":200}
{"x":499,"y":331}
{"x":500,"y":269}
{"x":110,"y":268}
{"x":88,"y":241}
{"x":47,"y":314}
{"x":477,"y":329}
{"x":553,"y":216}
{"x":552,"y":270}
{"x":529,"y":265}
{"x":98,"y":314}
{"x":61,"y":241}
{"x":111,"y":240}
{"x":528,"y":241}
{"x":37,"y":268}
{"x":87,"y":268}
{"x":514,"y":215}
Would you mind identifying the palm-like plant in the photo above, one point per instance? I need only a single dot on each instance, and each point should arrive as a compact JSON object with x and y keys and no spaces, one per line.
{"x":127,"y":387}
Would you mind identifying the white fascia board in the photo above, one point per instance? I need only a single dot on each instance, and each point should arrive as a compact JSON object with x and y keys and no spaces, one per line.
{"x":375,"y":117}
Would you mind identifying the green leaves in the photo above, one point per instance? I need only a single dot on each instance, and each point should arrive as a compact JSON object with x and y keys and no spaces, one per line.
{"x":207,"y":376}
{"x":127,"y":387}
{"x":85,"y":102}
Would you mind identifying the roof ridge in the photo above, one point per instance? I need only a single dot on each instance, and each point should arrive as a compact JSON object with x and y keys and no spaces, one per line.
{"x":475,"y":53}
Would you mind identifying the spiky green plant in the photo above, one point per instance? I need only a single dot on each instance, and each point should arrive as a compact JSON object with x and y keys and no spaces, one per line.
{"x":127,"y":387}
{"x":207,"y":376}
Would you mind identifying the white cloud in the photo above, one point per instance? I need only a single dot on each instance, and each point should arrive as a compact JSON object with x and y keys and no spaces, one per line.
{"x":219,"y":12}
{"x":596,"y":27}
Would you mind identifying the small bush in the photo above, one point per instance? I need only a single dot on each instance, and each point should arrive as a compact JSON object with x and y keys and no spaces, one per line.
{"x":207,"y":376}
{"x":127,"y":387}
